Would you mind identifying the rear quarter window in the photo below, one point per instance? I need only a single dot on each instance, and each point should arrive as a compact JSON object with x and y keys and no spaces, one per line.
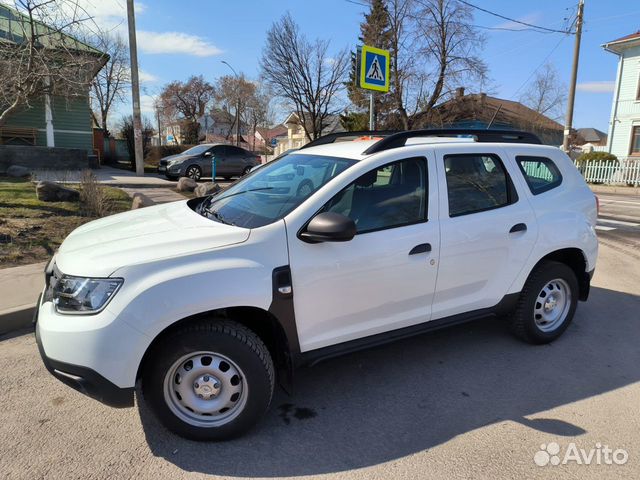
{"x":540,"y":173}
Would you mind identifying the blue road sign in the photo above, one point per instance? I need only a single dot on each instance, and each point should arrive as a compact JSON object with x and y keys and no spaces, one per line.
{"x":374,"y":69}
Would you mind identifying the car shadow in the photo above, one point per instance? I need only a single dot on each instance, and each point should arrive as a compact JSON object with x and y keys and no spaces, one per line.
{"x":383,"y":404}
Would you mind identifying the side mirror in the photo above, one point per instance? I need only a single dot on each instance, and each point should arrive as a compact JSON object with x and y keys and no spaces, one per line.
{"x":329,"y":227}
{"x":208,"y":154}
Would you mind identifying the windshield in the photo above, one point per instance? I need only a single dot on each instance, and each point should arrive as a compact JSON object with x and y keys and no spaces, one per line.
{"x":271,"y":192}
{"x":197,"y":150}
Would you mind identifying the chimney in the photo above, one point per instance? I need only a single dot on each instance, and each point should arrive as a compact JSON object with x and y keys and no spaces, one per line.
{"x":459,"y":92}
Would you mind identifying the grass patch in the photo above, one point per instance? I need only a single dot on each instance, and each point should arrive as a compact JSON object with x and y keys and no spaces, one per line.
{"x":31,"y":230}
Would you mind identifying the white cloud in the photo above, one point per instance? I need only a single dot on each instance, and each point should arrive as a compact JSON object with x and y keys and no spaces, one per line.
{"x":146,"y":104}
{"x":175,"y":42}
{"x":597,"y":87}
{"x":146,"y":77}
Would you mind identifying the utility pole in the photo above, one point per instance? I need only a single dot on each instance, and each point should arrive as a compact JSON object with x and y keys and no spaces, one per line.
{"x":135,"y":90}
{"x":568,"y":124}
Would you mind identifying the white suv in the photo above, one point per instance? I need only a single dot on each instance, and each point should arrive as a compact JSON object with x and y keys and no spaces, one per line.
{"x":208,"y":302}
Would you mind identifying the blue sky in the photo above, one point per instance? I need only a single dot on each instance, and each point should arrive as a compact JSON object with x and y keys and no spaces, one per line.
{"x":179,"y":39}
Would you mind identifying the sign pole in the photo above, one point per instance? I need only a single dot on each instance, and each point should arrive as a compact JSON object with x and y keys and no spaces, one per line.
{"x":372,"y":126}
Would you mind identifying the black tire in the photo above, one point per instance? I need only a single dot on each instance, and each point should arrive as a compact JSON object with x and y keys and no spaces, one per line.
{"x":523,"y":322}
{"x":194,"y":172}
{"x":229,"y":339}
{"x":227,"y":178}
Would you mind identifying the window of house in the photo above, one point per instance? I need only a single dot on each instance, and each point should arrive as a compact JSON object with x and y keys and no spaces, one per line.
{"x":540,"y":173}
{"x":635,"y":140}
{"x":390,"y":196}
{"x":477,"y":182}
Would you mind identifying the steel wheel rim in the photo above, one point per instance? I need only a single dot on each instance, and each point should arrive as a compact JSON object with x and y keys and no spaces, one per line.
{"x":552,"y":305}
{"x":193,"y":173}
{"x":205,"y":389}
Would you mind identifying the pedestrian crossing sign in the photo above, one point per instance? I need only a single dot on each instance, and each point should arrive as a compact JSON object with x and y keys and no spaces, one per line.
{"x":374,"y":69}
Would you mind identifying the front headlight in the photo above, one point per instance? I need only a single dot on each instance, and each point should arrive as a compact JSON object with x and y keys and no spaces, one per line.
{"x":84,"y":295}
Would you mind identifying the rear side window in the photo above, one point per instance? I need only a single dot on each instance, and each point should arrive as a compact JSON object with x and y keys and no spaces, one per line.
{"x":477,"y":182}
{"x":540,"y":173}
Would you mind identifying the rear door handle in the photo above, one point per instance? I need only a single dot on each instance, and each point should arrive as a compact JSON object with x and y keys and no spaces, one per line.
{"x":422,"y":248}
{"x":518,"y":227}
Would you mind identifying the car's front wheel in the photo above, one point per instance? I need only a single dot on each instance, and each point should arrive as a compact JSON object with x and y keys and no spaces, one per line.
{"x":547,"y":303}
{"x":209,"y":381}
{"x":194,"y":172}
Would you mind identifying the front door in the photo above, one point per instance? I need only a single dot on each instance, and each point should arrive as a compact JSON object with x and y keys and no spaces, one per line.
{"x":384,"y":278}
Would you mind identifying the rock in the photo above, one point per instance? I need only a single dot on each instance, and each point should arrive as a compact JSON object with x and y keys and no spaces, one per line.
{"x":53,"y":192}
{"x":186,"y":184}
{"x":18,"y":171}
{"x":205,"y":189}
{"x":140,"y":201}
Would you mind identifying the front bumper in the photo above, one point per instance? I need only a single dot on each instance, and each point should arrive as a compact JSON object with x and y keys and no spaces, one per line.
{"x":86,"y":380}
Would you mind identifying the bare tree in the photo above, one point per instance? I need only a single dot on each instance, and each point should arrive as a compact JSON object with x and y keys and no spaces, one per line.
{"x":406,"y":85}
{"x":233,"y":94}
{"x":448,"y":45}
{"x":39,"y":55}
{"x":110,"y":85}
{"x":546,"y":94}
{"x":257,"y":111}
{"x":303,"y":74}
{"x":187,"y":101}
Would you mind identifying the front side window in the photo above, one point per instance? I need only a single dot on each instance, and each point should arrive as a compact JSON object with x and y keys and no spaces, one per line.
{"x":540,"y":173}
{"x":272,"y":191}
{"x":635,"y":141}
{"x":477,"y":182}
{"x":390,"y":196}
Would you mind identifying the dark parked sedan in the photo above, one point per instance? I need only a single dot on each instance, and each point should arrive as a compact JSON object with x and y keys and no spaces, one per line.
{"x":196,"y":162}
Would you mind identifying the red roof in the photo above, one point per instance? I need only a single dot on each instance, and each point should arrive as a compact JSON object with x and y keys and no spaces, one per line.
{"x":631,"y":36}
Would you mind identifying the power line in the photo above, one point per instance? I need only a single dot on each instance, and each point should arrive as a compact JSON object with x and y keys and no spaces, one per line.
{"x":537,"y":27}
{"x":538,"y":67}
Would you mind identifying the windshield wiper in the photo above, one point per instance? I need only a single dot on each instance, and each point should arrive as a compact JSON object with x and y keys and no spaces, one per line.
{"x":242,"y":191}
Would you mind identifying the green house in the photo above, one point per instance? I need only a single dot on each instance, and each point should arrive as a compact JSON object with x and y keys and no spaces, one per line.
{"x":50,"y":120}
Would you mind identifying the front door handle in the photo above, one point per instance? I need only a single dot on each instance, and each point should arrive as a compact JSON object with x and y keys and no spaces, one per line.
{"x":422,"y":248}
{"x":518,"y":227}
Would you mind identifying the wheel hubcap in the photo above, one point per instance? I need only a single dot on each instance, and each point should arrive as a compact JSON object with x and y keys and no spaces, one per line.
{"x":205,"y":389}
{"x":552,"y":305}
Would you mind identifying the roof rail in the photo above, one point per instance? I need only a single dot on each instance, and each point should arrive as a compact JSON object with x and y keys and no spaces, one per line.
{"x":332,"y":137}
{"x":498,"y":136}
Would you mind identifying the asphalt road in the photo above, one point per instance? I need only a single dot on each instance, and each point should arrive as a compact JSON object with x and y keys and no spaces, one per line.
{"x":467,"y":402}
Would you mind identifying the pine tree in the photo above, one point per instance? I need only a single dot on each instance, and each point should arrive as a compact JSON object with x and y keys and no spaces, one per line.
{"x":375,"y":32}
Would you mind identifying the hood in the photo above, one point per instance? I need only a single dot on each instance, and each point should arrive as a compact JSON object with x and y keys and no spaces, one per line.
{"x":100,"y":247}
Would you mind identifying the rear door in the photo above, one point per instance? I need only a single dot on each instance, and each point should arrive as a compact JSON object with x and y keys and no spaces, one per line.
{"x":222,"y":164}
{"x":487,"y":227}
{"x":235,"y":157}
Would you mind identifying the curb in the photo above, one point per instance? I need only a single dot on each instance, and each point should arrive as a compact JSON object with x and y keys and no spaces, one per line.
{"x":614,"y":189}
{"x":16,"y":318}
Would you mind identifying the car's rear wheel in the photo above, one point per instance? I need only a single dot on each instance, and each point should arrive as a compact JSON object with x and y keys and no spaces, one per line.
{"x":547,"y":303}
{"x":194,"y":172}
{"x":209,"y":381}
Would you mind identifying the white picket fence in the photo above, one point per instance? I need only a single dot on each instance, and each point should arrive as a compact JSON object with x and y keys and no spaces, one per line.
{"x":627,"y":173}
